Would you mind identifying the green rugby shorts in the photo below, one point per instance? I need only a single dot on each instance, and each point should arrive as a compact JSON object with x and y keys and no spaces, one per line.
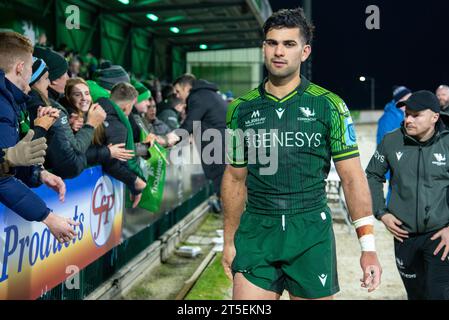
{"x":293,"y":252}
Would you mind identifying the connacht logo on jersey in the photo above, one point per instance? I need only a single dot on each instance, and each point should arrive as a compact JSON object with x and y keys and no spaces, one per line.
{"x":280,"y":112}
{"x":255,"y":119}
{"x":441,"y":159}
{"x":399,"y":155}
{"x":309,"y":115}
{"x":307,"y":112}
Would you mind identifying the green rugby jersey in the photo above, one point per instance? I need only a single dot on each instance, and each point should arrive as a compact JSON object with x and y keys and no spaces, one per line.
{"x":301,"y":131}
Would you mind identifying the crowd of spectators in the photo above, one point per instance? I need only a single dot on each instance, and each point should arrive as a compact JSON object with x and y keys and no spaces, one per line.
{"x":63,"y":112}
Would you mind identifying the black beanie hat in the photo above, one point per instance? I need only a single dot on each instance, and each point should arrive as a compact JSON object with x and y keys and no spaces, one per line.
{"x":108,"y":75}
{"x":56,"y":63}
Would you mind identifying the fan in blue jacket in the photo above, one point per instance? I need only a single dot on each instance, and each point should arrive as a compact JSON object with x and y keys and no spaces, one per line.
{"x":392,"y":117}
{"x":15,"y":74}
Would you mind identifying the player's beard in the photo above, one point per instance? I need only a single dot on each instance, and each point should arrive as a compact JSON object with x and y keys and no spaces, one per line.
{"x":280,"y":74}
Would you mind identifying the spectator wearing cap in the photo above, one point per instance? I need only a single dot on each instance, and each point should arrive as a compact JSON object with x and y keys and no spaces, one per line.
{"x":66,"y":154}
{"x":442,"y":93}
{"x":40,"y":70}
{"x":392,"y":117}
{"x":39,"y":83}
{"x":417,"y":214}
{"x":57,"y":68}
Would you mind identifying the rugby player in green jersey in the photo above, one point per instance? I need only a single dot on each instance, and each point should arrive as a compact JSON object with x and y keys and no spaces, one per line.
{"x":277,"y":226}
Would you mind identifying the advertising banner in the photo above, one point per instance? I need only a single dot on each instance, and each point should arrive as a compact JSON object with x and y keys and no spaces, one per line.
{"x":32,"y":261}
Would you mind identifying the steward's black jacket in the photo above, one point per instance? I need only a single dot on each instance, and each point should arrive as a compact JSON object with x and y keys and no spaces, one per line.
{"x":419,"y":179}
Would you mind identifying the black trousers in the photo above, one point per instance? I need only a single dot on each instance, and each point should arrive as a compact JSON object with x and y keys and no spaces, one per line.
{"x":424,"y":275}
{"x":217,"y":185}
{"x":215,"y":173}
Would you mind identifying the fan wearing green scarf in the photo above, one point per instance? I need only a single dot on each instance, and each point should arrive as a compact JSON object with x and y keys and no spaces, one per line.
{"x":123,"y":97}
{"x":117,"y":129}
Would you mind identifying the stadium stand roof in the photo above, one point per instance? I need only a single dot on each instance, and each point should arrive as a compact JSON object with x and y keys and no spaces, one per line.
{"x":220,"y":24}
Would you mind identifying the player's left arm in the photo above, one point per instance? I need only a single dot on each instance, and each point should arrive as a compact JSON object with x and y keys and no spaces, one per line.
{"x":358,"y":201}
{"x":345,"y":153}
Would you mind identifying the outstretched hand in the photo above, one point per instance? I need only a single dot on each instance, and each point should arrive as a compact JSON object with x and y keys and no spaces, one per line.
{"x":372,"y":270}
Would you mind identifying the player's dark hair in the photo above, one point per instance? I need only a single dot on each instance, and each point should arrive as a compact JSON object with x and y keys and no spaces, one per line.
{"x":290,"y":18}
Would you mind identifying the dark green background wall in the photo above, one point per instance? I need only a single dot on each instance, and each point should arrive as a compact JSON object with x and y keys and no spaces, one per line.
{"x":107,"y":36}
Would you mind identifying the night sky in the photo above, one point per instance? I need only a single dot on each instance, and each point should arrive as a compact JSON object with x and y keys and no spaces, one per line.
{"x":411,"y":48}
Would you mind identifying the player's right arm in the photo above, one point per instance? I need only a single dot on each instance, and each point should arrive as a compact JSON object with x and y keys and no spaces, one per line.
{"x":233,"y":194}
{"x":345,"y":154}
